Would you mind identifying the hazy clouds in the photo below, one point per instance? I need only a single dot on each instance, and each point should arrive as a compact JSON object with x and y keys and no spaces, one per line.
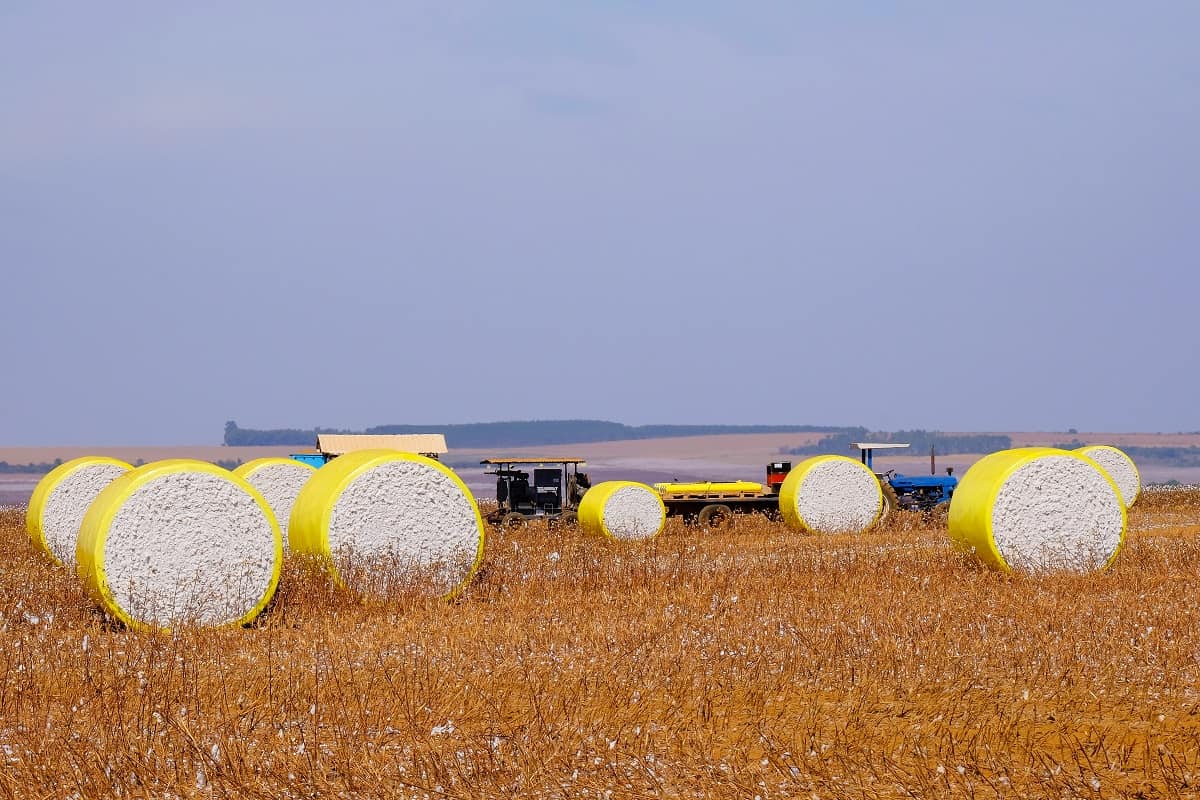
{"x":294,"y":215}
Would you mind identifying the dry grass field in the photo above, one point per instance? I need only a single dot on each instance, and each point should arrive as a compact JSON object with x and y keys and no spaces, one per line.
{"x":750,"y":662}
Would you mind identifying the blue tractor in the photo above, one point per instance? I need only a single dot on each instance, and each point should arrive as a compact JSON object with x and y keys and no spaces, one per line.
{"x":929,"y":494}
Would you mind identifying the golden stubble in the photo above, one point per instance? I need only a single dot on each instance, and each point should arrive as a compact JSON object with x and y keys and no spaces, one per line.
{"x":745,"y":661}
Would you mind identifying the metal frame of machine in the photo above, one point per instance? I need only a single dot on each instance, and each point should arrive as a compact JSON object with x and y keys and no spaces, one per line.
{"x":926,"y":493}
{"x":554,"y":493}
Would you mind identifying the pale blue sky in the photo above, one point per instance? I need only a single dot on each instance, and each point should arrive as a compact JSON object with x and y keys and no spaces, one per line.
{"x":893,"y":215}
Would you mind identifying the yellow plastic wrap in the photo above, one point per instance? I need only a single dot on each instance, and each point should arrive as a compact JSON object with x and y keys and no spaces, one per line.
{"x":89,"y":552}
{"x":35,"y":513}
{"x":970,"y":521}
{"x":595,"y":500}
{"x":1128,"y":501}
{"x":308,"y":527}
{"x":789,"y":491}
{"x":710,"y":487}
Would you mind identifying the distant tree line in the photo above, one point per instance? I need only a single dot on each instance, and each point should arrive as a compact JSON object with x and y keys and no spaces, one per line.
{"x":29,"y":469}
{"x":1169,"y":456}
{"x":531,"y":433}
{"x":842,"y":442}
{"x":245,"y":437}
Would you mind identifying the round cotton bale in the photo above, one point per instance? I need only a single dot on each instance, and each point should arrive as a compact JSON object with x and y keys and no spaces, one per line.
{"x":1038,"y":509}
{"x":379,"y":519}
{"x":831,"y":494}
{"x":1120,"y":468}
{"x":61,"y":499}
{"x":622,"y":510}
{"x":180,"y":542}
{"x":279,"y":481}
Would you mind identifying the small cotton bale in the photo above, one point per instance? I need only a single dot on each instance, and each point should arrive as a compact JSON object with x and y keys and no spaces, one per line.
{"x":381,"y":519}
{"x":622,"y":510}
{"x":831,"y":494}
{"x":180,"y":542}
{"x":61,"y":499}
{"x":1038,"y":509}
{"x":1120,"y":468}
{"x":279,"y":481}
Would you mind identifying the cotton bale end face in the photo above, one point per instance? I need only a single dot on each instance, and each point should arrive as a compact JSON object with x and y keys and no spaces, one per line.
{"x":379,"y":519}
{"x":831,"y":494}
{"x":180,"y":542}
{"x":1038,"y":510}
{"x":1120,"y":468}
{"x":279,"y":481}
{"x":61,"y":499}
{"x":622,"y":510}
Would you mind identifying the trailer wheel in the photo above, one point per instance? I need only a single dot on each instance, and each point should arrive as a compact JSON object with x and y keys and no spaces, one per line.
{"x":714,"y":516}
{"x":568,"y":518}
{"x":513,"y":519}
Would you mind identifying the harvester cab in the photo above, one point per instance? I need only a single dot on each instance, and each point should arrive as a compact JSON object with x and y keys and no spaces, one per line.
{"x":554,"y":492}
{"x":927,"y":493}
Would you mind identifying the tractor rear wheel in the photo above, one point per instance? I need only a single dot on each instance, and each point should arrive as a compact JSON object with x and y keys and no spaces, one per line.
{"x":891,"y":502}
{"x":715,"y":516}
{"x":513,"y":519}
{"x":568,"y":518}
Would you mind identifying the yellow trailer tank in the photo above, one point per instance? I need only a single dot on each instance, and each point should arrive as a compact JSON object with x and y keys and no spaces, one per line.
{"x":710,"y":488}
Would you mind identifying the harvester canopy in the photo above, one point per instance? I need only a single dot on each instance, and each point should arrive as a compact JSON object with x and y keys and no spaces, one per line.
{"x":527,"y":460}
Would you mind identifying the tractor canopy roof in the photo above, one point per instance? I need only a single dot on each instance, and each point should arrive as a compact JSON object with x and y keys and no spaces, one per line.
{"x":337,"y":444}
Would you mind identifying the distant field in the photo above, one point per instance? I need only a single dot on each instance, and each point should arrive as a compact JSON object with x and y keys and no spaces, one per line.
{"x":1116,"y":439}
{"x":735,"y":456}
{"x":750,"y":661}
{"x":17,"y":487}
{"x":745,"y":456}
{"x":720,"y":449}
{"x":132,"y":453}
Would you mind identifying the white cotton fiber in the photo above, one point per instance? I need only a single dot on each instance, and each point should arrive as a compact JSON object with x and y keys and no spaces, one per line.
{"x":385,"y":519}
{"x":61,"y":499}
{"x":1038,"y":510}
{"x":180,"y":542}
{"x":1120,"y":468}
{"x":622,"y":510}
{"x":831,"y":494}
{"x":279,"y":481}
